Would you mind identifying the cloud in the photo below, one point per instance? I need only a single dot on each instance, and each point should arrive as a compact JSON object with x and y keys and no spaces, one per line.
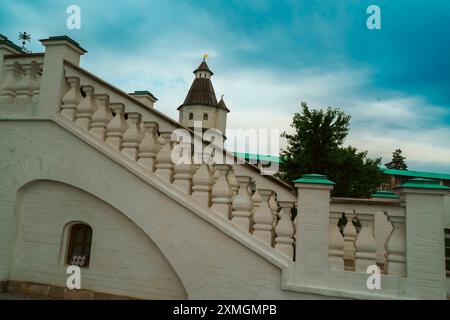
{"x":382,"y":120}
{"x":270,"y":55}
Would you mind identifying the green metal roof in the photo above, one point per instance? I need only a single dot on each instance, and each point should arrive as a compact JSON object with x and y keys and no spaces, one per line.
{"x":144,"y":92}
{"x":314,"y":179}
{"x":385,"y":194}
{"x":258,"y":157}
{"x":422,"y":183}
{"x":417,"y":174}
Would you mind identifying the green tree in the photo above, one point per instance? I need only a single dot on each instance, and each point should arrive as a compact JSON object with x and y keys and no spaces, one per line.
{"x":398,"y":161}
{"x":317,"y":147}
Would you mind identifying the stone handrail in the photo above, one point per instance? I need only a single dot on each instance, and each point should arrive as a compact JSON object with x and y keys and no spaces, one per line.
{"x":340,"y":257}
{"x":366,"y":232}
{"x":284,"y":191}
{"x":252,"y":208}
{"x":316,"y":252}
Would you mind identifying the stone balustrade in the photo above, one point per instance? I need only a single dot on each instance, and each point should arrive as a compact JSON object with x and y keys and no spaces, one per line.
{"x":337,"y":241}
{"x":352,"y":236}
{"x":22,"y":79}
{"x":214,"y":186}
{"x":331,"y":241}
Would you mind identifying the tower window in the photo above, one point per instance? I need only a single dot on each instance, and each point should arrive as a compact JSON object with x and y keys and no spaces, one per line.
{"x":205,"y":116}
{"x":191,"y":116}
{"x":79,"y":249}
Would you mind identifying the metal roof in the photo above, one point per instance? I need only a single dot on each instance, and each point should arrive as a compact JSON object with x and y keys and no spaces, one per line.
{"x":259,"y":157}
{"x":417,"y":174}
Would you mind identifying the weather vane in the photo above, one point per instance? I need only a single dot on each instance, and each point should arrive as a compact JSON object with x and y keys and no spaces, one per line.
{"x":24,"y":37}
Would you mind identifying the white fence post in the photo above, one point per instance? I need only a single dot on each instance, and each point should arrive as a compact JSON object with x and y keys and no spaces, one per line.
{"x":425,"y":251}
{"x":312,"y":223}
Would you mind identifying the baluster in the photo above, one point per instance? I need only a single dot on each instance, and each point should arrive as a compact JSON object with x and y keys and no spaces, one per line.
{"x":263,"y":218}
{"x":395,"y":258}
{"x":36,"y":83}
{"x":149,"y":147}
{"x":117,"y":126}
{"x":132,"y":136}
{"x":233,"y":182}
{"x":9,"y":85}
{"x":23,"y":89}
{"x":86,"y":108}
{"x":216,"y":174}
{"x":71,"y":99}
{"x":143,"y":128}
{"x":203,"y":181}
{"x":337,"y":243}
{"x":164,"y":165}
{"x":242,"y":204}
{"x":295,"y":219}
{"x":284,"y":240}
{"x":101,"y":117}
{"x":184,"y":169}
{"x":256,"y":200}
{"x":349,"y":239}
{"x":366,"y":245}
{"x":273,"y":205}
{"x":222,"y":193}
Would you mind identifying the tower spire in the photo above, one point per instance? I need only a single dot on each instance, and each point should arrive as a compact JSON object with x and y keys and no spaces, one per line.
{"x":201,"y":102}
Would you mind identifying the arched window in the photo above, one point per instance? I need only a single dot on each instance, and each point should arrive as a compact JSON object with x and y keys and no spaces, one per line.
{"x":79,"y":249}
{"x":191,"y":116}
{"x":205,"y":116}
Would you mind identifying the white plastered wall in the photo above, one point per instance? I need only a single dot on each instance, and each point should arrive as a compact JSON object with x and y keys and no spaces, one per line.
{"x":124,"y":261}
{"x":447,"y":226}
{"x":209,"y":263}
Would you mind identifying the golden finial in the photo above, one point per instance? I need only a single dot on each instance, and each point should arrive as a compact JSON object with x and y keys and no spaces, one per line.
{"x":205,"y":56}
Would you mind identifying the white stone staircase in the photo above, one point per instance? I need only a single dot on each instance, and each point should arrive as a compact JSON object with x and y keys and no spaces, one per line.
{"x":253,"y":209}
{"x":120,"y":127}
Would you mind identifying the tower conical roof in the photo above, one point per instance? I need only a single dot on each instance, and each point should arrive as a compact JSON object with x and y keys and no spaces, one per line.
{"x":202,"y":90}
{"x":203,"y":67}
{"x":222,"y":104}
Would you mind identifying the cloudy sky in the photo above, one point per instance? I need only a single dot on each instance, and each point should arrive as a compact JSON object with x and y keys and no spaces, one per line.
{"x":268,"y":56}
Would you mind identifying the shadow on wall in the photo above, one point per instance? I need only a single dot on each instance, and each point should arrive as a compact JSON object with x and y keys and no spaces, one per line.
{"x":123,"y":259}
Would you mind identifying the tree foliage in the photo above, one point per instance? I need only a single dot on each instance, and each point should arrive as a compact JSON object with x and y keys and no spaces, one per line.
{"x":398,"y":161}
{"x":317,"y":147}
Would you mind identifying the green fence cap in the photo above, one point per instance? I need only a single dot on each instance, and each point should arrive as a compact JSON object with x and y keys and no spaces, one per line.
{"x":422,"y":183}
{"x":314,"y":179}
